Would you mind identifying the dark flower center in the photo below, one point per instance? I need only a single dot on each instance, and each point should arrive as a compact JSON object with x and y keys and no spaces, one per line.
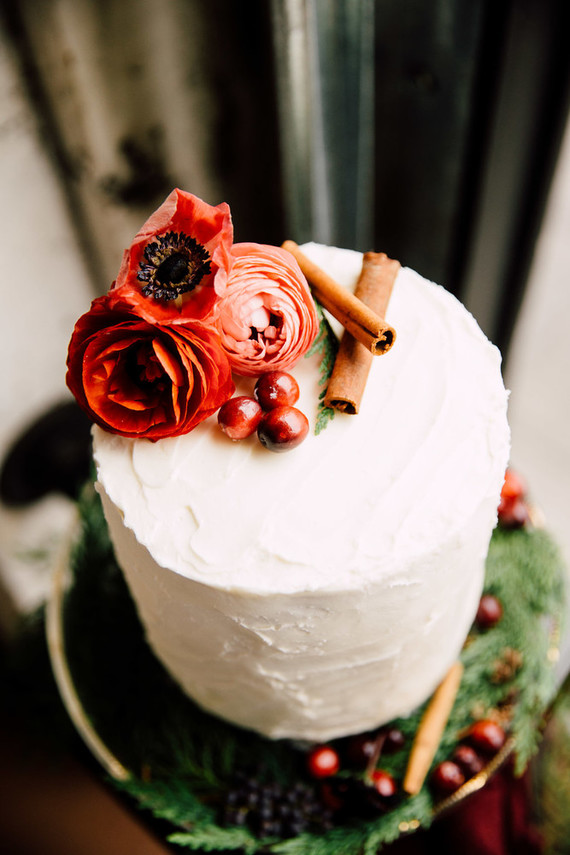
{"x":174,"y":263}
{"x":172,"y":269}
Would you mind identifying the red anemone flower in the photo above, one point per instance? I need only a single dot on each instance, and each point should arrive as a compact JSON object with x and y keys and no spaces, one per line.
{"x":179,"y":261}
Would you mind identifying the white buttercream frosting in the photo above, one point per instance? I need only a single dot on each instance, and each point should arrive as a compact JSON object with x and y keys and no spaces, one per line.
{"x":326,"y":590}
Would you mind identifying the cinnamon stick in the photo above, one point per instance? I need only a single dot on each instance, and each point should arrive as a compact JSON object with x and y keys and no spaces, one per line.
{"x":353,"y":360}
{"x":363,"y":323}
{"x":430,"y":731}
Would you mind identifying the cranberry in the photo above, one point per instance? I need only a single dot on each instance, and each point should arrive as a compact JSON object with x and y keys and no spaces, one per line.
{"x":276,"y":389}
{"x":468,"y":760}
{"x":486,"y":736}
{"x":384,"y":784}
{"x":513,"y":487}
{"x":447,"y":777}
{"x":489,"y":613}
{"x":283,"y":428}
{"x":323,"y":762}
{"x":395,"y":740}
{"x":239,"y":417}
{"x":360,"y":749}
{"x":513,"y":513}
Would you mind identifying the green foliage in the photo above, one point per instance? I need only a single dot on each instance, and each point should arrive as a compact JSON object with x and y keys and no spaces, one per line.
{"x":552,"y":780}
{"x":326,"y":343}
{"x":182,"y":759}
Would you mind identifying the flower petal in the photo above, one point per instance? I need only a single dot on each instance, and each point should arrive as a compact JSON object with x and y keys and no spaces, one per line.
{"x":210,"y":226}
{"x":146,"y":379}
{"x":266,"y":316}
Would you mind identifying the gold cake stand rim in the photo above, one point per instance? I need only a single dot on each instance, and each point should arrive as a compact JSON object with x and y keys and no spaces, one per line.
{"x":55,"y":635}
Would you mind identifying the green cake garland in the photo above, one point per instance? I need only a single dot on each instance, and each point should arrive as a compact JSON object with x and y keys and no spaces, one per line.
{"x":182,"y":761}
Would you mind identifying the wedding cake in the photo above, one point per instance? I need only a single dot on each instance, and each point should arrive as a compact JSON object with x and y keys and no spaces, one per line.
{"x":316,"y":593}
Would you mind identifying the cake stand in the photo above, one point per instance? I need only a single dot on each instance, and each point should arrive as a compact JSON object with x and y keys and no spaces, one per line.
{"x":174,"y":759}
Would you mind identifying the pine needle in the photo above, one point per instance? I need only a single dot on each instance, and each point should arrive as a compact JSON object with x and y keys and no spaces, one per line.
{"x":326,"y":344}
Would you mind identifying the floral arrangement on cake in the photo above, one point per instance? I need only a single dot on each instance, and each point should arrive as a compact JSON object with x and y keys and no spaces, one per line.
{"x":154,"y":356}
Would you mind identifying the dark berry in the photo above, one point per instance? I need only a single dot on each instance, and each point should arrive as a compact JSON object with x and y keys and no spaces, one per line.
{"x":270,"y":810}
{"x":234,"y":816}
{"x":489,"y":613}
{"x":268,"y":828}
{"x":239,"y":417}
{"x":360,"y":749}
{"x":252,"y":798}
{"x":276,"y":389}
{"x":447,"y":777}
{"x":322,"y":762}
{"x":513,"y":513}
{"x":486,"y":736}
{"x":468,"y":760}
{"x":394,"y":741}
{"x":283,"y":429}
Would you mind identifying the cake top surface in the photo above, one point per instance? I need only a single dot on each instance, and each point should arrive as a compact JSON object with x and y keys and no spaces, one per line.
{"x":355,"y":503}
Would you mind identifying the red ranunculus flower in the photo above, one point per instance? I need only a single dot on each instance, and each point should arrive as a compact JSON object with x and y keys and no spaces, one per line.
{"x":182,"y":251}
{"x":266,"y":315}
{"x":140,"y":379}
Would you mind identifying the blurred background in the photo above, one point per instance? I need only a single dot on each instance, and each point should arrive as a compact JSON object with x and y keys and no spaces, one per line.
{"x":429,"y":129}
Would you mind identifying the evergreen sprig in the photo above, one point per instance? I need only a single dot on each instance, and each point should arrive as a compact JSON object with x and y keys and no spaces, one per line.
{"x":325,"y":344}
{"x":552,"y":780}
{"x":183,"y":759}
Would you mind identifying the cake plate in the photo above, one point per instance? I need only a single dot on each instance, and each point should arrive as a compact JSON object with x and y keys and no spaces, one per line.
{"x":174,"y":759}
{"x":55,"y":634}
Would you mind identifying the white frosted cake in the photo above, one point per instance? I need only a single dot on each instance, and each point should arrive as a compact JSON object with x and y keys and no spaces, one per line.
{"x":324,"y":591}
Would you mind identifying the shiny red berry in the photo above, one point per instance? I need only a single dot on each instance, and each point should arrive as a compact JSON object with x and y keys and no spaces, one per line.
{"x":489,"y":613}
{"x":239,"y":417}
{"x":276,"y":389}
{"x":486,"y":736}
{"x":513,"y":513}
{"x":322,"y":762}
{"x":282,"y":429}
{"x":447,"y":777}
{"x":384,"y":784}
{"x":468,"y":760}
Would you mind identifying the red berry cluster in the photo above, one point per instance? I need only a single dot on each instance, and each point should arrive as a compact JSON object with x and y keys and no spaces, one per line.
{"x":484,"y":739}
{"x":280,"y":426}
{"x":369,"y":794}
{"x":513,"y":508}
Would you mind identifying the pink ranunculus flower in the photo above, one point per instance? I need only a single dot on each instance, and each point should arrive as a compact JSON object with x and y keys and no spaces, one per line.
{"x":266,"y":316}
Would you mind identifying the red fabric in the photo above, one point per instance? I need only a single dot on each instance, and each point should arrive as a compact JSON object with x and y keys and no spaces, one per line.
{"x":494,"y":821}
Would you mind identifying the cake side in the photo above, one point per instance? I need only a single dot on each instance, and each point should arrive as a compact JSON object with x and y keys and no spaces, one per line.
{"x":309,"y":665}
